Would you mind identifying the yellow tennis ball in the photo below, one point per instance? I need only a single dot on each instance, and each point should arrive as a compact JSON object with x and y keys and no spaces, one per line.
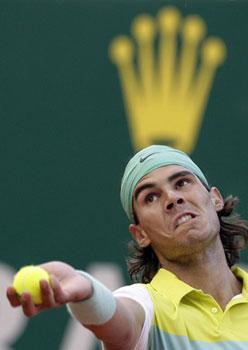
{"x":27,"y":279}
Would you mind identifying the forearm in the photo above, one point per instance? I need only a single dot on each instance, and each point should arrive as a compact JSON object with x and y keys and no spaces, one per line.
{"x":98,"y":308}
{"x":121,"y":332}
{"x":115,"y":321}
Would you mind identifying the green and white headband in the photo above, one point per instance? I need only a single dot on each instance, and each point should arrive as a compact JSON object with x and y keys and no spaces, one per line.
{"x":147,"y":160}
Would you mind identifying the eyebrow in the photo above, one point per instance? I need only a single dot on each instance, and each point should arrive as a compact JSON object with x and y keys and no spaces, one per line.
{"x":170,"y":179}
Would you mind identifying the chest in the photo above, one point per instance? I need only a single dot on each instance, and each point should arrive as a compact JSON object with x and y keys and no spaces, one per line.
{"x":199,"y":324}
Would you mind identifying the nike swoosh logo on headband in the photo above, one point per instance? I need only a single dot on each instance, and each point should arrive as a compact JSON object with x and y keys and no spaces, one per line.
{"x":142,"y":159}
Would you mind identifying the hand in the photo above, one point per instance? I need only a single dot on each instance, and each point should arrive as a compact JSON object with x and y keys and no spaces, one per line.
{"x":66,"y":285}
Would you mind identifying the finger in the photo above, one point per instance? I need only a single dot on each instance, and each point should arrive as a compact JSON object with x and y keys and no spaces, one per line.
{"x":47,"y":294}
{"x":28,"y":305}
{"x":59,"y":295}
{"x":13,"y":297}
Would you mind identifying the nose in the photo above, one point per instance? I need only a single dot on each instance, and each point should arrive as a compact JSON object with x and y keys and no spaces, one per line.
{"x":173,"y":201}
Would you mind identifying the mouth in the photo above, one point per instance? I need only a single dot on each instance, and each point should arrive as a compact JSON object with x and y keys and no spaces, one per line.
{"x":182,"y":219}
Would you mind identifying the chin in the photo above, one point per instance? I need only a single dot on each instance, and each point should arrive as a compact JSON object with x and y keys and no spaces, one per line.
{"x":196,"y":236}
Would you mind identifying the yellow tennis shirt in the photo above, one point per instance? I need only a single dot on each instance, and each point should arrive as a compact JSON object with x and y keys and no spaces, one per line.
{"x":188,"y":319}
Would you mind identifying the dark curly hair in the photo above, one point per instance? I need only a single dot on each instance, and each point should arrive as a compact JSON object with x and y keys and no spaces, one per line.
{"x":143,"y":263}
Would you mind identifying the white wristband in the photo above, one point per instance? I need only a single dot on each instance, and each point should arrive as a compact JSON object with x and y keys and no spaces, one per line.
{"x":96,"y":310}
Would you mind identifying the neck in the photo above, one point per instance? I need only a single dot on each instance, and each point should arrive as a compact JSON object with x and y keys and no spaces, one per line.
{"x":209,"y":272}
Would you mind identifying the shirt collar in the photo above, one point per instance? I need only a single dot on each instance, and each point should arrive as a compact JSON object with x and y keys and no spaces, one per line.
{"x":242,"y":274}
{"x":168,"y":284}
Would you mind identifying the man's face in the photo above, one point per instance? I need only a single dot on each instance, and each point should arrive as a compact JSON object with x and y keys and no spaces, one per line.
{"x":176,"y":214}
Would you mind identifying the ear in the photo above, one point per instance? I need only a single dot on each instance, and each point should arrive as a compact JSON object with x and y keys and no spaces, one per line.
{"x":139,"y":235}
{"x":216,"y":198}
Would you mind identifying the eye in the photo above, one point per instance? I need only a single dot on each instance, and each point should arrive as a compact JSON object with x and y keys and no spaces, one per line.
{"x":183,"y":182}
{"x":150,"y":197}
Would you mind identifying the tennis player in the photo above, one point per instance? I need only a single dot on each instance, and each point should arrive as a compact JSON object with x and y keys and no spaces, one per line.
{"x":187,"y":291}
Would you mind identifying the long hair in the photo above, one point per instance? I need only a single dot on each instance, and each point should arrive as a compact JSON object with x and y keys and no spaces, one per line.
{"x":143,"y":263}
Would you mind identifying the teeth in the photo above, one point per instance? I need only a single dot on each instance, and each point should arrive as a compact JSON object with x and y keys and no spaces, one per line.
{"x":183,"y":219}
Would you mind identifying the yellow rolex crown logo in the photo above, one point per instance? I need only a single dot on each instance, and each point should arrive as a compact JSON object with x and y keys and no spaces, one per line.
{"x":166,"y":73}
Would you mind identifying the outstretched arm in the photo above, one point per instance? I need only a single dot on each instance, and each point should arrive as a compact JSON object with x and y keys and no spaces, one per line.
{"x":119,"y":328}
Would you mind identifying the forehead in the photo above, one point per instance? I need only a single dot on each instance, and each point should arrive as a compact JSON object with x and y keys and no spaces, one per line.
{"x":162,"y":173}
